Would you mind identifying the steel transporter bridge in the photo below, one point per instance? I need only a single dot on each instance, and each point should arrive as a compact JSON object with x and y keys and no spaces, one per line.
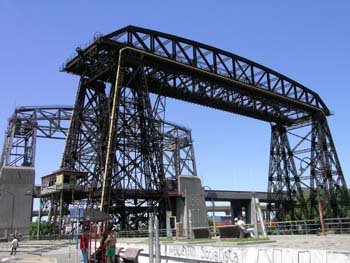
{"x":125,"y":159}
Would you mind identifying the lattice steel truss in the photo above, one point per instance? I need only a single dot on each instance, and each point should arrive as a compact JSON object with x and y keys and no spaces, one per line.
{"x":26,"y":125}
{"x":305,"y":171}
{"x":187,"y":70}
{"x":53,"y":122}
{"x":178,"y":151}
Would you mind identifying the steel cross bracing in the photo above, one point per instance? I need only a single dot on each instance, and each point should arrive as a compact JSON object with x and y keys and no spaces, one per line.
{"x":305,"y":172}
{"x":127,"y":176}
{"x":28,"y":123}
{"x":179,"y":152}
{"x":190,"y":71}
{"x":52,"y":122}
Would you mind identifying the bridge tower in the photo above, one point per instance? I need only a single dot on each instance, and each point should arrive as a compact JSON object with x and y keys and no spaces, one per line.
{"x":125,"y":140}
{"x":304,"y":173}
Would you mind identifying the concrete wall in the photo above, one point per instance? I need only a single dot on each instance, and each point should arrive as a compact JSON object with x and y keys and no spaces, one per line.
{"x":244,"y":254}
{"x":16,"y":199}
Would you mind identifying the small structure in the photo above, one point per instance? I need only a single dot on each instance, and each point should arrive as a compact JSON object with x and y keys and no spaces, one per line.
{"x":64,"y":180}
{"x":65,"y":185}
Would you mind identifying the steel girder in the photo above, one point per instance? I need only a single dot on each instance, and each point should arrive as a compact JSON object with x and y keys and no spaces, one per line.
{"x":201,"y":74}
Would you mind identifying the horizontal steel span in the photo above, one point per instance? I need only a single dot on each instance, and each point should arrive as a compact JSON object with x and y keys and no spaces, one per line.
{"x":201,"y":74}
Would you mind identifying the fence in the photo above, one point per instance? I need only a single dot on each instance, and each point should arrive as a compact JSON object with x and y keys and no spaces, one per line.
{"x":301,"y":227}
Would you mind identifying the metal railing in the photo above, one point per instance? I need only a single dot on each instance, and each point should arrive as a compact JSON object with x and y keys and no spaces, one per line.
{"x":332,"y":225}
{"x":142,"y":233}
{"x":49,"y":237}
{"x":299,"y":227}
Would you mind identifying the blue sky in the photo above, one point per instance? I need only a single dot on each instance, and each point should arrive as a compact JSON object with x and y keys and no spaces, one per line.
{"x":308,"y":41}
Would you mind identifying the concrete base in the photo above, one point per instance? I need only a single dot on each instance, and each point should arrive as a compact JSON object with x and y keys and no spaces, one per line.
{"x":191,"y":209}
{"x":16,"y":199}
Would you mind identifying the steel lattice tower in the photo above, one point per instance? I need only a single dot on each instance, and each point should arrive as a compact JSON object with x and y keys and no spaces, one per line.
{"x":132,"y":179}
{"x":306,"y":174}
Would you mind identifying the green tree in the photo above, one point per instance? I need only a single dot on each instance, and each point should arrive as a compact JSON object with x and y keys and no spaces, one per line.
{"x":45,"y":228}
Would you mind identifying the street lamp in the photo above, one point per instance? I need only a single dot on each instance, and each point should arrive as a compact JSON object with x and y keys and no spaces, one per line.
{"x":13,"y":206}
{"x":213,"y":210}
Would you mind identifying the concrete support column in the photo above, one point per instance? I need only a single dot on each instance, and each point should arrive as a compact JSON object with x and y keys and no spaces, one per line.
{"x":190,"y":209}
{"x":236,"y":209}
{"x":16,"y":198}
{"x":248,"y":212}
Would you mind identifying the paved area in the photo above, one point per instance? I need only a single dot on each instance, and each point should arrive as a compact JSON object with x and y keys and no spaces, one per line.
{"x":65,"y":251}
{"x":32,"y":251}
{"x":41,"y":251}
{"x":329,"y":242}
{"x":28,"y":260}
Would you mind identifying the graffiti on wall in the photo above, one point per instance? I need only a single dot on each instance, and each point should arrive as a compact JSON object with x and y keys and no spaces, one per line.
{"x":250,"y":254}
{"x":205,"y":253}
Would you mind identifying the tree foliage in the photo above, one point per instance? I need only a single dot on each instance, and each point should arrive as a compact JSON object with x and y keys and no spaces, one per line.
{"x":45,"y":228}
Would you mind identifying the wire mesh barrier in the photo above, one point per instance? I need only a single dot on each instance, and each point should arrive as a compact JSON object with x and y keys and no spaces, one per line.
{"x":332,"y":226}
